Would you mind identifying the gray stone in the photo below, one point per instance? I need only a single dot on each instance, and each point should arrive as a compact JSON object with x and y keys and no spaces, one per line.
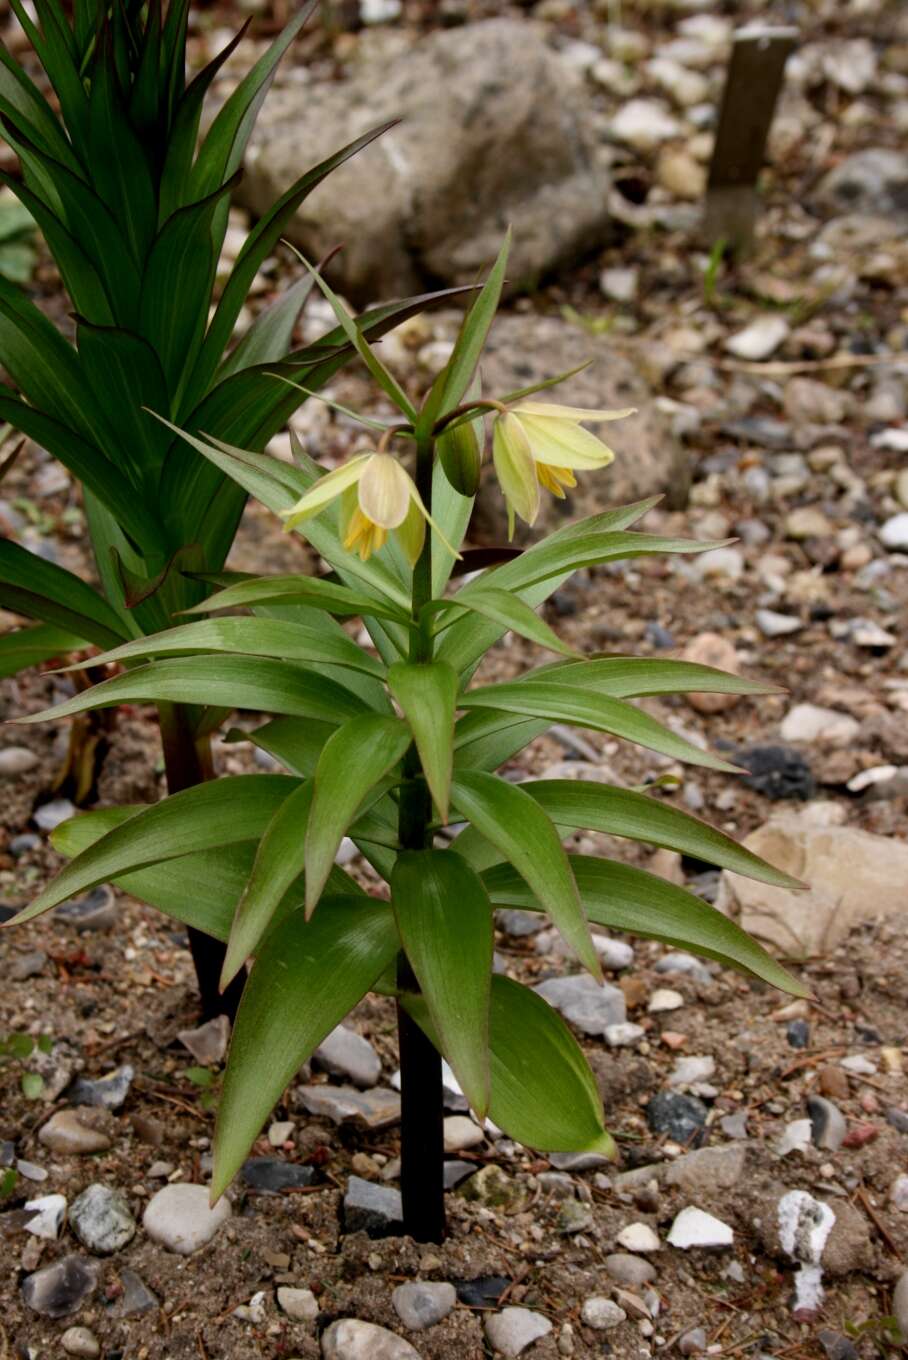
{"x":709,"y":1169}
{"x":578,"y":1161}
{"x":900,"y":1304}
{"x":65,"y":1133}
{"x":420,"y":1304}
{"x":602,"y":1314}
{"x":693,"y":1342}
{"x":101,"y":1219}
{"x":352,"y":1339}
{"x":376,"y":1210}
{"x":55,"y":1069}
{"x":61,"y":1288}
{"x":25,"y":966}
{"x":96,"y":911}
{"x":80,"y":1341}
{"x":588,"y":1005}
{"x":897,"y":1118}
{"x":644,"y":124}
{"x":691,"y":1071}
{"x":760,"y":339}
{"x":873,"y":181}
{"x":624,"y":1036}
{"x":574,"y":1216}
{"x":180,"y":1218}
{"x":461,"y":1133}
{"x":376,"y":1109}
{"x":772,"y":624}
{"x":679,"y":1117}
{"x":513,"y":1330}
{"x":108,"y":1092}
{"x":299,"y":1304}
{"x":810,"y":722}
{"x":347,"y":1054}
{"x":455,"y":1172}
{"x":16,"y":760}
{"x":271,"y":1175}
{"x":827,"y":1123}
{"x":686,"y":964}
{"x":491,"y":95}
{"x":519,"y":923}
{"x":208,"y":1043}
{"x":628,"y":1269}
{"x":136,"y":1297}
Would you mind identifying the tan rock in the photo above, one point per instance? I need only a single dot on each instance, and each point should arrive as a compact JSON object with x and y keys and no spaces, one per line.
{"x":66,"y":1132}
{"x":853,"y":876}
{"x":712,"y":649}
{"x":679,"y":173}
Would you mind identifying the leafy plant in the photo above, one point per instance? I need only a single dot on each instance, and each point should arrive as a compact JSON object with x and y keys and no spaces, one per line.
{"x":20,"y":1048}
{"x":387,"y":749}
{"x":134,"y":212}
{"x":18,"y":255}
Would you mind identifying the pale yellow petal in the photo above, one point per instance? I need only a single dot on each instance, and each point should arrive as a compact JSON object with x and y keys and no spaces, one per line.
{"x":412,"y":533}
{"x":384,"y":491}
{"x":325,"y":490}
{"x":575,"y":413}
{"x":514,"y":468}
{"x":564,"y":443}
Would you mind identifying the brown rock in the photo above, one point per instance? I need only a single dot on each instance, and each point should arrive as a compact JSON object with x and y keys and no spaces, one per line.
{"x":833,"y":1082}
{"x":636,"y":992}
{"x":68,"y":1132}
{"x":711,"y":649}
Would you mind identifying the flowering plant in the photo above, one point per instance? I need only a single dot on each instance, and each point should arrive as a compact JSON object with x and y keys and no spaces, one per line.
{"x":388,"y":744}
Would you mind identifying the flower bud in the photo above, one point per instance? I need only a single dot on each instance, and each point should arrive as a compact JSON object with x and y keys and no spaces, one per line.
{"x":461,"y":457}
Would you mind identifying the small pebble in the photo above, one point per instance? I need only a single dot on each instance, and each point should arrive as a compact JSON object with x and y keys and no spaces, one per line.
{"x":695,"y":1228}
{"x":798,"y":1034}
{"x":513,"y":1330}
{"x":602,"y":1314}
{"x":180,"y":1218}
{"x":638,"y":1237}
{"x":664,"y":999}
{"x":299,"y":1304}
{"x":80,"y":1341}
{"x":421,"y":1304}
{"x":827,"y":1123}
{"x":460,"y":1133}
{"x":65,"y":1133}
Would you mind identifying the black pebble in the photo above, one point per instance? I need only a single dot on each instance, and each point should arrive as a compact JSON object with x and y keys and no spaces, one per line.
{"x":777,"y":772}
{"x":682,"y":1118}
{"x":483,"y":1292}
{"x":798,"y":1034}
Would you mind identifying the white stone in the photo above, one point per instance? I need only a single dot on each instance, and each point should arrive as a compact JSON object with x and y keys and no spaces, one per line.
{"x":379,"y":11}
{"x":420,"y":1304}
{"x":810,"y":722}
{"x":461,"y":1133}
{"x":180,"y":1218}
{"x":254,"y":1311}
{"x":691,"y":1070}
{"x":894,"y":533}
{"x":280,"y":1131}
{"x":773,"y":624}
{"x":16,"y":760}
{"x":859,"y":1065}
{"x":353,"y":1339}
{"x":644,"y":124}
{"x":299,"y":1304}
{"x":49,"y":1212}
{"x":513,"y":1330}
{"x":695,"y":1228}
{"x":898,"y":1194}
{"x":796,"y":1137}
{"x":623,"y":1036}
{"x":638,"y":1237}
{"x":760,"y":339}
{"x":602,"y":1314}
{"x":613,"y":954}
{"x":664,"y":999}
{"x":619,"y":284}
{"x":80,"y":1341}
{"x":685,"y":87}
{"x":804,"y":1227}
{"x":720,"y":562}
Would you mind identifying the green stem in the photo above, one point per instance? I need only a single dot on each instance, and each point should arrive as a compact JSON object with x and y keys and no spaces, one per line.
{"x":422,"y":1105}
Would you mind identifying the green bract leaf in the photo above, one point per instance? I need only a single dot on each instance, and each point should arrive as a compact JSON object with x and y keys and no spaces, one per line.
{"x":352,"y":762}
{"x":427,"y":694}
{"x":278,"y":863}
{"x":314,"y":591}
{"x":250,"y":637}
{"x":511,"y":612}
{"x":574,"y":805}
{"x":25,"y":647}
{"x":32,"y":586}
{"x":626,"y":898}
{"x":627,"y":677}
{"x":570,"y":704}
{"x":445,"y":922}
{"x":511,"y":821}
{"x":217,"y":813}
{"x":218,"y":876}
{"x":543,"y":1093}
{"x":308,"y":976}
{"x":224,"y":681}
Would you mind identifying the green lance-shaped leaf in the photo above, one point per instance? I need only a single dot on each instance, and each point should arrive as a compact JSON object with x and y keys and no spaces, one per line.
{"x":630,"y":677}
{"x":249,"y":637}
{"x":200,"y":889}
{"x":223,"y":681}
{"x":24,"y":647}
{"x":278,"y":863}
{"x":39,"y":589}
{"x":295,"y":742}
{"x":543,"y":1093}
{"x":427,"y":694}
{"x":308,"y":976}
{"x":507,"y":817}
{"x":352,"y":762}
{"x":511,"y":612}
{"x":315,"y":591}
{"x":566,"y":703}
{"x":623,"y":897}
{"x":451,"y":385}
{"x":445,"y":922}
{"x":575,"y":805}
{"x":219,"y":812}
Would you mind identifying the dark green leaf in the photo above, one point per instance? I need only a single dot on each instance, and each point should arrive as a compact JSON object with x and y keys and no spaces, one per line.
{"x":427,"y":695}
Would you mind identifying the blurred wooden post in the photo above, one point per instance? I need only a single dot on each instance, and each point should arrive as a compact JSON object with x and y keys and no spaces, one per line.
{"x":752,"y":86}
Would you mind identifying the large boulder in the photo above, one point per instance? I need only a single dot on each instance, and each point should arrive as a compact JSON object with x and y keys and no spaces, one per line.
{"x":494,"y":130}
{"x":649,"y":460}
{"x":852,"y":876}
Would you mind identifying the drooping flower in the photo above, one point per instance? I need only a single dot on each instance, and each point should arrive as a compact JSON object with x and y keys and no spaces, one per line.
{"x":378,"y":496}
{"x":541,"y":444}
